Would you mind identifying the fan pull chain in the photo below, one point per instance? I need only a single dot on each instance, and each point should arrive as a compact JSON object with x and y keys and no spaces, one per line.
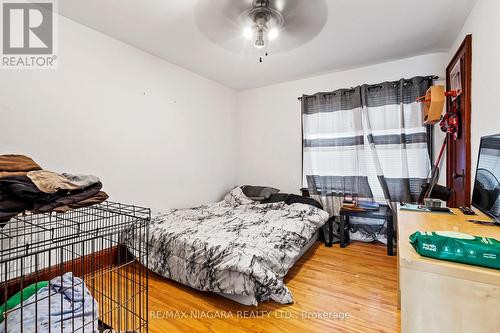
{"x":261,"y":60}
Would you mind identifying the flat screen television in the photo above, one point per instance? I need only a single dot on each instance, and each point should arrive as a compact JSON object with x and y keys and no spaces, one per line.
{"x":486,"y":194}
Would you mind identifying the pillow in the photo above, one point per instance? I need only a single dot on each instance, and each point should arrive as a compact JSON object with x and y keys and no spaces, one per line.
{"x":258,"y":193}
{"x":294,"y":198}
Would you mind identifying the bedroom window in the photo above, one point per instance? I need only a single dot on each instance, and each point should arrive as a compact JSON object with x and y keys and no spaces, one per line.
{"x":368,"y":141}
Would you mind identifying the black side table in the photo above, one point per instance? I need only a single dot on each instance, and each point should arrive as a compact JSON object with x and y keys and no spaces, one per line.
{"x":329,"y":241}
{"x":383,"y":213}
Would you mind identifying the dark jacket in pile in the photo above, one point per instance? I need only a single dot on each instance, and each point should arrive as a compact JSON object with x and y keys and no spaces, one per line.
{"x":13,"y":165}
{"x":19,"y":191}
{"x":68,"y":198}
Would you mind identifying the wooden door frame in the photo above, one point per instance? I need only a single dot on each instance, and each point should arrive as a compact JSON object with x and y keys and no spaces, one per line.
{"x":464,"y":53}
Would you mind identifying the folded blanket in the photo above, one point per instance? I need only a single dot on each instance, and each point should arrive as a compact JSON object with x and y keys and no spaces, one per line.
{"x":72,"y":197}
{"x":93,"y":200}
{"x":15,"y":163}
{"x":51,"y":182}
{"x":66,"y":305}
{"x":4,"y":174}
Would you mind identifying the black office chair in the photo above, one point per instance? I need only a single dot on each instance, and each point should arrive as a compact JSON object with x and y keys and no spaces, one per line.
{"x":438,"y":192}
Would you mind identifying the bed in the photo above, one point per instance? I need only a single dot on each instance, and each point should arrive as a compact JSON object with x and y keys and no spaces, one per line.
{"x":238,"y":247}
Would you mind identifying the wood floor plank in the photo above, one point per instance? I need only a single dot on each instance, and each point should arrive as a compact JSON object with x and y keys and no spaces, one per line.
{"x":360,"y":281}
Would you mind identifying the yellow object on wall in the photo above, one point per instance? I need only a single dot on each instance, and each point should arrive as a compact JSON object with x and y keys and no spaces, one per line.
{"x":433,"y":104}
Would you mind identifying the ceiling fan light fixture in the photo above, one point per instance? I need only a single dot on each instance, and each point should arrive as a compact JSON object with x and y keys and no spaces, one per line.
{"x":259,"y":38}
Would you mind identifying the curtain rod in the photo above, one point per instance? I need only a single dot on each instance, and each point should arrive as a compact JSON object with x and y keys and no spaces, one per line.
{"x":430,"y":77}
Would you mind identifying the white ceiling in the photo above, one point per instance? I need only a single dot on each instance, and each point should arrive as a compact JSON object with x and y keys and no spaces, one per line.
{"x":357,"y":33}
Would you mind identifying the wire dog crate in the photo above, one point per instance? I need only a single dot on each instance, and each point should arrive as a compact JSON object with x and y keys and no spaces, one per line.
{"x":78,"y":271}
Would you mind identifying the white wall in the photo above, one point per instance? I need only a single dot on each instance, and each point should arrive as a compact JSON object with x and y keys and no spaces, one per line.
{"x":269,"y":124}
{"x":161,"y":136}
{"x":484,"y":25}
{"x":156,"y":134}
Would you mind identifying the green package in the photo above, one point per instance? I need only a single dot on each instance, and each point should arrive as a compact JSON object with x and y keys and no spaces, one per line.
{"x":19,"y":297}
{"x":457,"y":247}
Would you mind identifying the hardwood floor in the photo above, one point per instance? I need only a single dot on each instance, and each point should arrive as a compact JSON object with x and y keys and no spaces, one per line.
{"x":358,"y":282}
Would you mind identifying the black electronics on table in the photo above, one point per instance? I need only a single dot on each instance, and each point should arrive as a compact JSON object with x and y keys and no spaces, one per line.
{"x":486,"y":194}
{"x":467,"y":210}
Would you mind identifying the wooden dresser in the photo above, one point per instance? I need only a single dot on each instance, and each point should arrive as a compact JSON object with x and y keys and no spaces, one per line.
{"x":442,"y":296}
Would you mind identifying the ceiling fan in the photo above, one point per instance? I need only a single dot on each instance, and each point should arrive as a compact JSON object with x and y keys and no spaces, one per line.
{"x":260,"y":26}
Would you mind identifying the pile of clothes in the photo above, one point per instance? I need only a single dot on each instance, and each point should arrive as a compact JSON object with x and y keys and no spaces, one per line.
{"x":24,"y":186}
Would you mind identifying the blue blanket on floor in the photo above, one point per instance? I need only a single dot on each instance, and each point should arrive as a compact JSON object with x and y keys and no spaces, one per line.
{"x":64,"y":306}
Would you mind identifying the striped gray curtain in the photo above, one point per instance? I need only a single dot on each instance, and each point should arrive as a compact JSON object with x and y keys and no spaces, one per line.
{"x":368,"y":141}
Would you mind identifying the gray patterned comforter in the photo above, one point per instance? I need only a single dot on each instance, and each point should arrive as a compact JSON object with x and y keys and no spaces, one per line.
{"x":236,"y":246}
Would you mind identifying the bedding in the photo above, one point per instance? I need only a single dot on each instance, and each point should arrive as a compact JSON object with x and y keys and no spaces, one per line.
{"x":236,"y":246}
{"x":250,"y":299}
{"x":277,"y":197}
{"x":294,"y":198}
{"x":291,"y":199}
